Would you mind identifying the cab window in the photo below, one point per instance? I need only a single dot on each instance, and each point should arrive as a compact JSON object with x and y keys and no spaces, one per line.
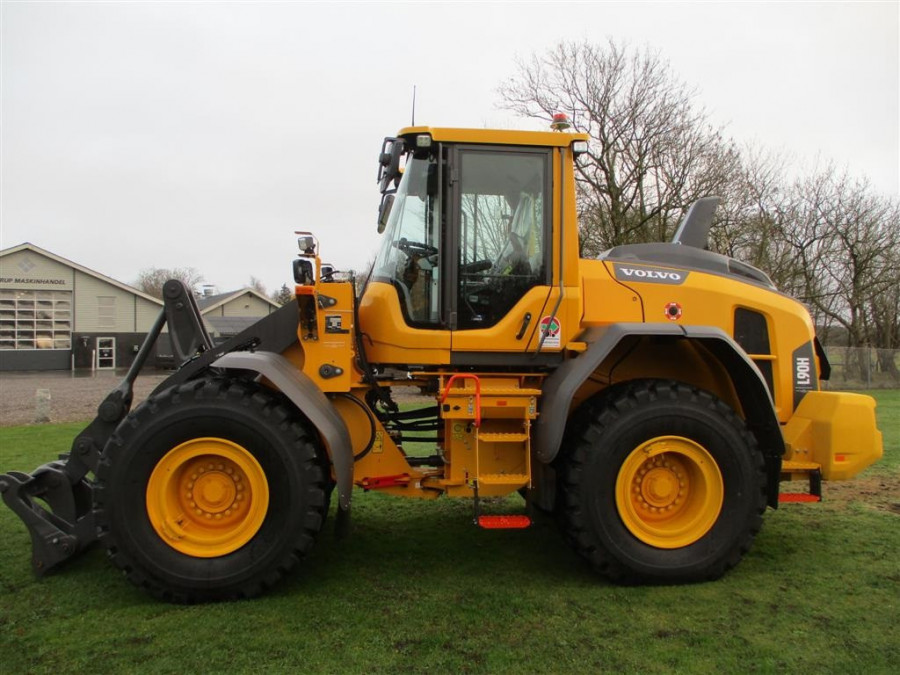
{"x":503,"y":226}
{"x":409,"y":254}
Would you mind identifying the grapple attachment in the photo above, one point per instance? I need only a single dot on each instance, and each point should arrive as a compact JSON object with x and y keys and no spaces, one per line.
{"x":67,"y":527}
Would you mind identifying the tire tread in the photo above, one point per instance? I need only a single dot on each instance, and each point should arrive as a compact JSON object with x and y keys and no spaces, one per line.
{"x":270,"y":407}
{"x":587,"y":431}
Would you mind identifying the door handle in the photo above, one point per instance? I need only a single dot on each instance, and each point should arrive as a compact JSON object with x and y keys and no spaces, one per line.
{"x":525,"y":321}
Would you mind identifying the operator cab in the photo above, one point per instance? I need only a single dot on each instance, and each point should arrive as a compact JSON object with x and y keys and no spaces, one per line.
{"x":466,"y":230}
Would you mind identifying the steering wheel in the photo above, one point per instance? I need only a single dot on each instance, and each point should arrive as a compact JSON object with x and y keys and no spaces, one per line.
{"x":415,"y":249}
{"x":476,"y":266}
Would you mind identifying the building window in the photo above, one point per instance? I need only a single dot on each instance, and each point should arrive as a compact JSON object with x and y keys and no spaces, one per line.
{"x":106,"y":311}
{"x":35,"y":319}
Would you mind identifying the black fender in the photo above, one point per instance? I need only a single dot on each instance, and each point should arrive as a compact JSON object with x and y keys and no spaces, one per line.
{"x":561,"y":386}
{"x":310,"y":400}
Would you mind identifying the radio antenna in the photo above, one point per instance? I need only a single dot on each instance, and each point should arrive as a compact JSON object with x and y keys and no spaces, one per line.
{"x":414,"y":107}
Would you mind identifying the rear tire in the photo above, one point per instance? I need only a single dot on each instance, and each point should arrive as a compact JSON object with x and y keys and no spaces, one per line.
{"x":211,"y":490}
{"x":661,"y":483}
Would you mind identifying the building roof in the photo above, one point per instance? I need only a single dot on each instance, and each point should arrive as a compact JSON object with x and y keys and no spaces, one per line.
{"x":207,"y":303}
{"x":81,"y":268}
{"x":229,"y":326}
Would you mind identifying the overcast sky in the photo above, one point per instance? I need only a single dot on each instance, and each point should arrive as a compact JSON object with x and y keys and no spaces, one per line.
{"x":176,"y":134}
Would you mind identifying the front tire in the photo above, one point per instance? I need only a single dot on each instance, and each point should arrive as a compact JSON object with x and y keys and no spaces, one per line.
{"x":661,"y":483}
{"x":211,"y":490}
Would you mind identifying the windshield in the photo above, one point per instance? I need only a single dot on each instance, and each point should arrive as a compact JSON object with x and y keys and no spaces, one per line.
{"x":409,"y":253}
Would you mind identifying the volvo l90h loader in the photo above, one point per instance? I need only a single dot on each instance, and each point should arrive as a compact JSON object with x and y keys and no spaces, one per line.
{"x":653,"y":398}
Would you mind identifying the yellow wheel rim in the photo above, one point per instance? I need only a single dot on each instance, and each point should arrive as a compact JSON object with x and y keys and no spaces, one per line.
{"x":207,"y":497}
{"x":669,"y":492}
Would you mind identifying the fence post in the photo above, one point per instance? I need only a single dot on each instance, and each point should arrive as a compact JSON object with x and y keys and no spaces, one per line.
{"x":868,"y":368}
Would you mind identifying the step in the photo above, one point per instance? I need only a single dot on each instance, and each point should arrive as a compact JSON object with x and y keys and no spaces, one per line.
{"x":510,"y":391}
{"x":490,"y":391}
{"x":787,"y":497}
{"x":492,"y":437}
{"x":507,"y":522}
{"x":503,"y":479}
{"x":794,"y":466}
{"x":814,"y":475}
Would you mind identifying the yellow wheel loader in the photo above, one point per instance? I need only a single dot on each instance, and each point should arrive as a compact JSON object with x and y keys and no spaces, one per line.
{"x":653,"y":398}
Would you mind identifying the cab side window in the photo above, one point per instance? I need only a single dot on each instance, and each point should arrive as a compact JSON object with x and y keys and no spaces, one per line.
{"x":503,"y":230}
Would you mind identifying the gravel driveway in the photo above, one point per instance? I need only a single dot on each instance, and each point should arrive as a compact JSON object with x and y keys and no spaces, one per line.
{"x":74,"y":397}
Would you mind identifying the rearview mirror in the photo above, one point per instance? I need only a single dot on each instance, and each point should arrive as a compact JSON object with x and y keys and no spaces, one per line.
{"x":384,"y":211}
{"x":389,"y":162}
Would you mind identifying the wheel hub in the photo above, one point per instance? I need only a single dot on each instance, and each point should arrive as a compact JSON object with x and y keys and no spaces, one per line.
{"x":660,"y":484}
{"x":214,"y":490}
{"x":669,"y":492}
{"x":207,"y":497}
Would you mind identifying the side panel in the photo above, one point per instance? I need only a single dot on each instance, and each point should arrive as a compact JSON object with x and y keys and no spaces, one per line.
{"x":329,"y":346}
{"x":388,"y":338}
{"x":694,"y":299}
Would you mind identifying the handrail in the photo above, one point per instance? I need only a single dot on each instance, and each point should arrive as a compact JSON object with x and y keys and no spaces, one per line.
{"x":463,"y":376}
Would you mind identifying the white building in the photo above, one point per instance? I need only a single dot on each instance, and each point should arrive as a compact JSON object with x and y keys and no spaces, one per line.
{"x":56,"y":314}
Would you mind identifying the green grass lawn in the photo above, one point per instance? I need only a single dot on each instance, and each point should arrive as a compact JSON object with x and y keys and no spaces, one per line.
{"x":417,"y":588}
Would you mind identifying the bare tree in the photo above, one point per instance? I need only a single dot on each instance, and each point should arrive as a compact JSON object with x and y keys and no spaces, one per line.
{"x":283,"y":295}
{"x":257,"y":285}
{"x":750,"y":221}
{"x":825,"y":238}
{"x":652,"y":150}
{"x":151,"y":279}
{"x":853,"y":235}
{"x":884,"y":318}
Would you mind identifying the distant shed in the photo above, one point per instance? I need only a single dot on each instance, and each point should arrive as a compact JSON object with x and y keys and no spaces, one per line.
{"x":227,"y":314}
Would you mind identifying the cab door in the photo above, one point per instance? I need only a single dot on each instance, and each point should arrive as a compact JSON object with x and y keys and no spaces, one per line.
{"x":500,"y":287}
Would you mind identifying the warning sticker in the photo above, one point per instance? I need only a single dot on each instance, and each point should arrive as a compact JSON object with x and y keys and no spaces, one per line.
{"x":552,"y":327}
